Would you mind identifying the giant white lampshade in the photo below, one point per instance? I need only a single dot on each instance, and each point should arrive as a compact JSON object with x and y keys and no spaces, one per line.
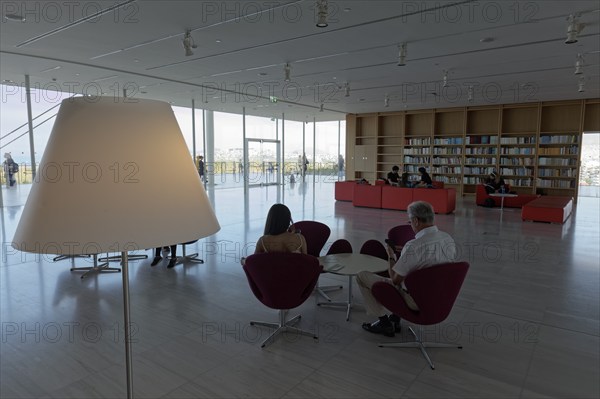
{"x":116,"y":176}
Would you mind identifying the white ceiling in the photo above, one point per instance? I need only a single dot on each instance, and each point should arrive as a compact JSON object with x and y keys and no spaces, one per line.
{"x":242,"y":47}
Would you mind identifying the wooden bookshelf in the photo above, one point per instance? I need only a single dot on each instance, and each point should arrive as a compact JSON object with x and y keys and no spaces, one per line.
{"x":536,"y":147}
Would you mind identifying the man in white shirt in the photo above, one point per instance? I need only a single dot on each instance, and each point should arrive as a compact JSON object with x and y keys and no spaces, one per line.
{"x":430,"y":247}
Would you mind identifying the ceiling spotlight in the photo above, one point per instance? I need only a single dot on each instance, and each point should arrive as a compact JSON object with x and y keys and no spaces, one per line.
{"x":402,"y":54}
{"x":386,"y":101}
{"x":322,"y":14}
{"x":321,"y":108}
{"x":287,"y":69}
{"x":14,"y":17}
{"x":579,"y":64}
{"x":470,"y":94}
{"x":188,"y":43}
{"x":445,"y":79}
{"x":573,"y":29}
{"x":346,"y":89}
{"x":581,"y":84}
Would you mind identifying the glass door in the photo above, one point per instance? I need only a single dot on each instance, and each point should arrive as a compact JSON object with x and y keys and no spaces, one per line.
{"x":263,"y":162}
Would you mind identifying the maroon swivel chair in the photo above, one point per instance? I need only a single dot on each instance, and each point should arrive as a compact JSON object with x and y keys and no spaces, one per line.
{"x":316,"y":235}
{"x":401,"y":234}
{"x":341,"y":246}
{"x":434,"y":290}
{"x":375,"y":248}
{"x":282,"y":281}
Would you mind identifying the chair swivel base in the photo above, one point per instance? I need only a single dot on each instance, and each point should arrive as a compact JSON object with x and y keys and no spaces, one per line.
{"x":61,"y":257}
{"x":193,"y":258}
{"x":97,"y":268}
{"x":418,"y":343}
{"x":323,"y":289}
{"x":281,"y":327}
{"x":117,"y":258}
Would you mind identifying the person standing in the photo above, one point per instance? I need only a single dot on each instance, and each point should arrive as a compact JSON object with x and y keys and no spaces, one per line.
{"x":201,"y":168}
{"x":429,"y":247}
{"x":10,"y":169}
{"x":340,"y":167}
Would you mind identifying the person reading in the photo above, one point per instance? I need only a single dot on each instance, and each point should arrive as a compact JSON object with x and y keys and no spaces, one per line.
{"x":425,"y":179}
{"x":494,"y":183}
{"x":393,"y":177}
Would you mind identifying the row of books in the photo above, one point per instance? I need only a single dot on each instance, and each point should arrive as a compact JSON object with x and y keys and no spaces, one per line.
{"x":421,"y":160}
{"x":447,"y":169}
{"x":419,"y":141}
{"x":518,"y":182}
{"x":450,"y":151}
{"x":556,"y":183}
{"x":481,"y":140}
{"x":480,"y":161}
{"x":448,"y":179}
{"x":572,"y":150}
{"x":557,"y":161}
{"x":516,"y":171}
{"x":417,"y":151}
{"x":446,"y":161}
{"x":448,"y":141}
{"x":557,"y":172}
{"x":554,"y":139}
{"x":518,"y":140}
{"x":481,"y":150}
{"x":516,"y":161}
{"x":518,"y":151}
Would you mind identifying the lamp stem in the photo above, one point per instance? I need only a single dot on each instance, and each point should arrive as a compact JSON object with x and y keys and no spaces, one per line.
{"x":126,"y":320}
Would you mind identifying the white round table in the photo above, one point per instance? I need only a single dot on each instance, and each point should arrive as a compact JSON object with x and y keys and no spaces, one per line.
{"x":350,"y":265}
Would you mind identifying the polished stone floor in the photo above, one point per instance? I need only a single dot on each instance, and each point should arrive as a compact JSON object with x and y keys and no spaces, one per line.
{"x":527,"y":316}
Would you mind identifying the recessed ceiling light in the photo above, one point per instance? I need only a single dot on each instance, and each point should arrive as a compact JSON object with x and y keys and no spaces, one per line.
{"x":14,"y":17}
{"x":347,"y":9}
{"x":218,"y":41}
{"x":136,"y":60}
{"x":77,"y":74}
{"x":334,"y":78}
{"x":487,"y":40}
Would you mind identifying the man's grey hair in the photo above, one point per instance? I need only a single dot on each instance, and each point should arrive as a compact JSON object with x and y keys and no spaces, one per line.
{"x":421,"y":210}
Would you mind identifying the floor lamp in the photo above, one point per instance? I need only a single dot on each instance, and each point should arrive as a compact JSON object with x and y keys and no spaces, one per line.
{"x":99,"y":187}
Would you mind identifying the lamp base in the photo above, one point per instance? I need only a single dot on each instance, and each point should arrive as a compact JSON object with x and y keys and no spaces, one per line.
{"x":97,"y":268}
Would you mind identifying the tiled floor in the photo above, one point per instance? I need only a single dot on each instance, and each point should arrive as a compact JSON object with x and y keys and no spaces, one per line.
{"x":527,"y":316}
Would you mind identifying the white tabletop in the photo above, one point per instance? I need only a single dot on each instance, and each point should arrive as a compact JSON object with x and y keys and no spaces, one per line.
{"x":352,"y":264}
{"x":506,"y":195}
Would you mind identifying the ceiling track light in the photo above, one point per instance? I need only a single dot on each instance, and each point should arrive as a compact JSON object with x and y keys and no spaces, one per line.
{"x":386,"y":101}
{"x":188,"y":43}
{"x":579,"y":65}
{"x":573,"y":29}
{"x":445,"y":79}
{"x":402,"y":54}
{"x":581,"y":84}
{"x":470,"y":94}
{"x":287,"y":69}
{"x":346,"y":89}
{"x":322,"y":12}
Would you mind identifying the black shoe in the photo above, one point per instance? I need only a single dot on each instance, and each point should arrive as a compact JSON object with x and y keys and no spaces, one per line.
{"x":395,"y":320}
{"x":155,"y":261}
{"x":380,"y":327}
{"x":172,"y":263}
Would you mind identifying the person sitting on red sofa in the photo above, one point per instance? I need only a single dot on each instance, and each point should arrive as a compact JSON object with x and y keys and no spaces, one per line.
{"x":494,"y":183}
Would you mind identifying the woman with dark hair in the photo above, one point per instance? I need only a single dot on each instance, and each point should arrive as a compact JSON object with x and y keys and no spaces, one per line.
{"x":279,"y":234}
{"x":425,"y":178}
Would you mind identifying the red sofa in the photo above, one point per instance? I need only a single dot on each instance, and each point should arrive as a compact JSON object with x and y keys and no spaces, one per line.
{"x":549,"y":209}
{"x":509,"y":202}
{"x":344,"y":190}
{"x":443,"y":200}
{"x":367,"y":195}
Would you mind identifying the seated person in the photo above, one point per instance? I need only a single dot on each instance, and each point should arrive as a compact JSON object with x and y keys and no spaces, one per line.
{"x":429,"y":247}
{"x":279,"y":234}
{"x":157,"y":257}
{"x":393,"y":178}
{"x":425,"y":179}
{"x":405,"y":182}
{"x":494,"y":183}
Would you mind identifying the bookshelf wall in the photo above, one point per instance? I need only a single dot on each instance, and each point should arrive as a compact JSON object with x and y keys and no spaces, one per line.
{"x":536,"y":147}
